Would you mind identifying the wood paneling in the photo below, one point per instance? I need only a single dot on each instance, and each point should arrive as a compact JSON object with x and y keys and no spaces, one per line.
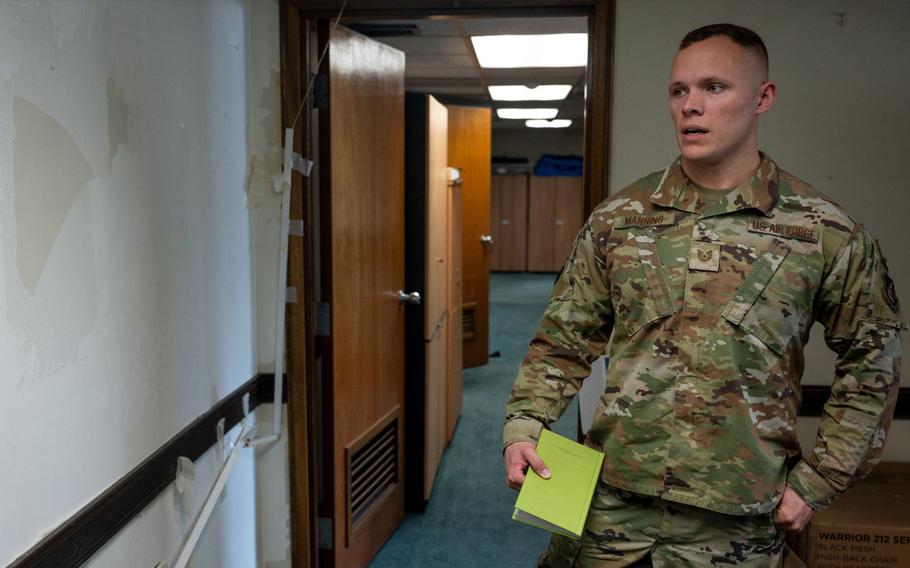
{"x":509,"y":222}
{"x":554,"y":219}
{"x":469,"y":150}
{"x":364,"y":253}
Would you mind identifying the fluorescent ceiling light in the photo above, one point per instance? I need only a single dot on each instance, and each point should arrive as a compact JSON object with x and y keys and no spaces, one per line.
{"x":527,"y":112}
{"x":523,"y":93}
{"x":558,"y":123}
{"x":541,"y":50}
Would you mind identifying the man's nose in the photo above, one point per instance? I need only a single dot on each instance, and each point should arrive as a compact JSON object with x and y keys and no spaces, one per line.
{"x":693,"y":104}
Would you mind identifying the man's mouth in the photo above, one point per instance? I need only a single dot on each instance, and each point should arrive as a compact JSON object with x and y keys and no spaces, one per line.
{"x":694,"y":130}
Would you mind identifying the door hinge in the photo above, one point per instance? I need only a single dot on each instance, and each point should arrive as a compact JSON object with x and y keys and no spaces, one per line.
{"x":323,"y":314}
{"x":320,"y":93}
{"x":326,"y":538}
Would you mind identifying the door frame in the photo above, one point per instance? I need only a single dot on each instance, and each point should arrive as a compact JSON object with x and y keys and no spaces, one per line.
{"x":298,"y":62}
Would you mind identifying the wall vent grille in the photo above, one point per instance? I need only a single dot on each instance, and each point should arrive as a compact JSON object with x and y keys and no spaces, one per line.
{"x":373,"y":471}
{"x":467,"y":320}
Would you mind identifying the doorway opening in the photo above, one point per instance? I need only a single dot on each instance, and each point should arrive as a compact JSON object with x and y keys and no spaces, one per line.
{"x":458,"y":80}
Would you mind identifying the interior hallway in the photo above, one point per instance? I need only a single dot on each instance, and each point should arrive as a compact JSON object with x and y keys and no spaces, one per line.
{"x":468,"y":519}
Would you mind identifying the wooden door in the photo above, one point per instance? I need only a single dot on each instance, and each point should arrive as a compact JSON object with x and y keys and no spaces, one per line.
{"x":456,"y":341}
{"x":436,"y":331}
{"x":509,"y":222}
{"x":469,"y":150}
{"x":362,"y":266}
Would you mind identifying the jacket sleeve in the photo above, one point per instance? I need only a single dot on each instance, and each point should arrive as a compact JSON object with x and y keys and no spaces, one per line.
{"x":860,"y":312}
{"x":573,"y":332}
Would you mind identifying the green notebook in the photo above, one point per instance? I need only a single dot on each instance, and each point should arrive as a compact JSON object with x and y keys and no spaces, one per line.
{"x":560,"y":504}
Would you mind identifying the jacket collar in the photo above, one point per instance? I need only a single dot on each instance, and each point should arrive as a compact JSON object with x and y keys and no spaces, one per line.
{"x":677,"y":190}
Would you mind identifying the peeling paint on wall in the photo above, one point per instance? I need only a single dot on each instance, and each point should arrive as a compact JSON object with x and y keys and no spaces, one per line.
{"x":50,"y":171}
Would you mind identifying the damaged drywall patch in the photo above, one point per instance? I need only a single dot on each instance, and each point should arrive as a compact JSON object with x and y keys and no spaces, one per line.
{"x":50,"y":171}
{"x":117,"y":120}
{"x":270,"y":103}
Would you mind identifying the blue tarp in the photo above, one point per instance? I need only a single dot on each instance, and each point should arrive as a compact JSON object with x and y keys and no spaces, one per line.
{"x":552,"y":165}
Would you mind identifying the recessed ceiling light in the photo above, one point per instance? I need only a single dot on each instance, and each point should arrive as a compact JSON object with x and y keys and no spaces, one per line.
{"x":540,"y":50}
{"x":527,"y":112}
{"x":523,"y":93}
{"x":558,"y":123}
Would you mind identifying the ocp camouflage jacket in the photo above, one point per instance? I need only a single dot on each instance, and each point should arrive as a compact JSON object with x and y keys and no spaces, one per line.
{"x":710,"y":306}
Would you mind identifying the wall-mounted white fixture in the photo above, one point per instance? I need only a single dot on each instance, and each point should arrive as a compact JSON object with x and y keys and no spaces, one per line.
{"x":524,"y":93}
{"x":558,"y":123}
{"x":533,"y":50}
{"x":525,"y":113}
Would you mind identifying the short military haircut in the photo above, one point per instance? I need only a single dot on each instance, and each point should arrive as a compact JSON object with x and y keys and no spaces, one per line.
{"x":740,"y":35}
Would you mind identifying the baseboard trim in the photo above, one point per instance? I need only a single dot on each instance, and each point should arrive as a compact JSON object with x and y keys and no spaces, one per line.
{"x":80,"y":536}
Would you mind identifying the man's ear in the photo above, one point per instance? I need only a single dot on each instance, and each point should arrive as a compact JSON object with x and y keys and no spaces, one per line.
{"x":767,"y":94}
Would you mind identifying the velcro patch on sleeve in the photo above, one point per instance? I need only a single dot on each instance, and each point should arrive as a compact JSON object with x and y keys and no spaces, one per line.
{"x":651,"y":220}
{"x":798,"y":232}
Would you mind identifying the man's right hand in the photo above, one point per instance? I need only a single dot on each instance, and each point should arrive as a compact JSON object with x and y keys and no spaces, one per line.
{"x":518,"y":456}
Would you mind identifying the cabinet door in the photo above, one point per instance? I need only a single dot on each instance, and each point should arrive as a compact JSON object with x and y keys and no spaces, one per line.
{"x":568,"y":218}
{"x":541,"y":223}
{"x":554,"y":218}
{"x":509,"y":222}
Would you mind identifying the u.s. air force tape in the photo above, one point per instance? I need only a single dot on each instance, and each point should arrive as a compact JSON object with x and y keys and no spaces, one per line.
{"x":807,"y":234}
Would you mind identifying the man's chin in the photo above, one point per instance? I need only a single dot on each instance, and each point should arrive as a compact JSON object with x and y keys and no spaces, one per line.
{"x":697,"y":156}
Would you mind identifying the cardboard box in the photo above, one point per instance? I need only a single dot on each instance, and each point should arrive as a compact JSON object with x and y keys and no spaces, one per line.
{"x":868,"y":527}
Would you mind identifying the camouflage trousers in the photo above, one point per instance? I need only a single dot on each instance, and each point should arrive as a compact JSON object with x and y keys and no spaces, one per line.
{"x":627,"y":529}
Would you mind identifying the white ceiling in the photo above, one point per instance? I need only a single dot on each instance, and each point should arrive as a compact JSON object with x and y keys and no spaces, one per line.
{"x":439,"y":61}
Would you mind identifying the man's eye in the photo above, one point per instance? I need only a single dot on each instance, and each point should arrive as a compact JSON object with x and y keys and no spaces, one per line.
{"x":715,"y":88}
{"x":677,"y":92}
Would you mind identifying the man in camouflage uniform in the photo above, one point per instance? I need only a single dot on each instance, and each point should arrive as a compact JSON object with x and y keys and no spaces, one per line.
{"x":709,"y":295}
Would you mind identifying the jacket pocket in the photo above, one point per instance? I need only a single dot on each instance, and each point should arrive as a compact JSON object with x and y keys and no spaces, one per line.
{"x":641,"y":293}
{"x":761,"y":305}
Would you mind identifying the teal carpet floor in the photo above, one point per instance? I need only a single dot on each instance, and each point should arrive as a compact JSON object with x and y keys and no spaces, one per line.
{"x":468,"y":518}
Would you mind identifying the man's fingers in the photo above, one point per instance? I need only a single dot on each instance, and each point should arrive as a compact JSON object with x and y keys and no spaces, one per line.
{"x":515,"y":477}
{"x":518,"y":457}
{"x":792,"y":512}
{"x":534,"y":460}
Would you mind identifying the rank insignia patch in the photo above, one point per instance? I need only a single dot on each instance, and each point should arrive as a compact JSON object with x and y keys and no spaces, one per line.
{"x":704,"y":256}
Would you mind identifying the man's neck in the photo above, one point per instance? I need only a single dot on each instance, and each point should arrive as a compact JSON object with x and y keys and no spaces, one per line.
{"x":726,"y":175}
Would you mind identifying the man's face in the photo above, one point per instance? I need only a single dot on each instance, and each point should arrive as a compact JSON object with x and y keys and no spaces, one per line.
{"x":715,"y":91}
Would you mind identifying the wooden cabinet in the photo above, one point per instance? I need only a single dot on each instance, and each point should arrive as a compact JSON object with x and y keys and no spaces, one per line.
{"x":509,"y":222}
{"x":554,"y":219}
{"x":534,"y":221}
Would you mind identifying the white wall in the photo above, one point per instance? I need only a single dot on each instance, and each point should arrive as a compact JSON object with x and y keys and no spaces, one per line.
{"x":128,"y":304}
{"x":843,"y":73}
